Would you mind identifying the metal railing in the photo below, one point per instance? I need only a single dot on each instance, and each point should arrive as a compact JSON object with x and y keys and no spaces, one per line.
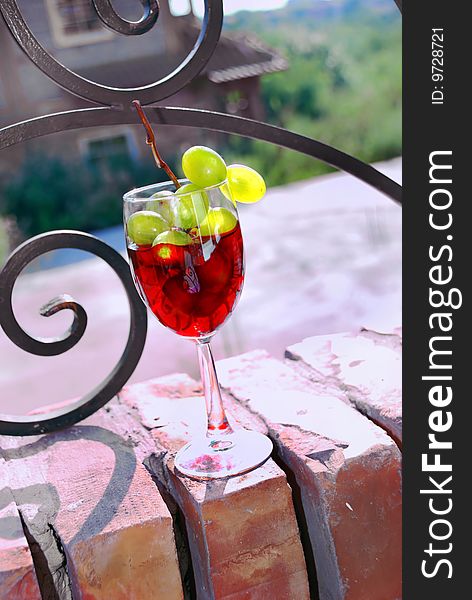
{"x":114,"y":108}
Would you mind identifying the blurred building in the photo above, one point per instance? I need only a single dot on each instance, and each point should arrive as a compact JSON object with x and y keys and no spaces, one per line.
{"x":71,"y":31}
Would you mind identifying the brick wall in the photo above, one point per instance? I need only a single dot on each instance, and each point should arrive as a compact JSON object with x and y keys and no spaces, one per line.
{"x":99,"y":512}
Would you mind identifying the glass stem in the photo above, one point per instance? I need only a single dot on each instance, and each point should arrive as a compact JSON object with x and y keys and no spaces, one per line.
{"x":217,"y":421}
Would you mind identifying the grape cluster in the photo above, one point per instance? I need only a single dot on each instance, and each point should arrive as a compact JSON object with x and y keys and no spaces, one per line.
{"x":173,"y":218}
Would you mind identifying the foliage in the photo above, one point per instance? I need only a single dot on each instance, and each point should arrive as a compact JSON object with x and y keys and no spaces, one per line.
{"x":3,"y":242}
{"x":50,"y":193}
{"x":343,"y":86}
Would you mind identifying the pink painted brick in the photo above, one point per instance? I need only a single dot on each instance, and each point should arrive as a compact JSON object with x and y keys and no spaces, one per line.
{"x":86,"y":487}
{"x":17,"y":575}
{"x":242,"y":531}
{"x":366,"y":367}
{"x":347,"y":469}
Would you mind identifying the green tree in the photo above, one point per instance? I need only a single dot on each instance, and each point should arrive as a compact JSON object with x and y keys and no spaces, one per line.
{"x":50,"y":193}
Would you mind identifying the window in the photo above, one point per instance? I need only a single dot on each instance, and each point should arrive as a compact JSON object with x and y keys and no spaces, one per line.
{"x":108,"y":150}
{"x":179,"y":8}
{"x":109,"y":154}
{"x":75,"y":22}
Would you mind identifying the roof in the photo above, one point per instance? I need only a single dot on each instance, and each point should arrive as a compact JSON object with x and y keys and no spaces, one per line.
{"x":236,"y":57}
{"x":239,"y":56}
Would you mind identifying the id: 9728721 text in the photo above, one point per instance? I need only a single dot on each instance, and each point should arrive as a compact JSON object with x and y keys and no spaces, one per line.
{"x":437,"y":65}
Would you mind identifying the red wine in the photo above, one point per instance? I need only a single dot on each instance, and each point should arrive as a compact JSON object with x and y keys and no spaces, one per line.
{"x":192,"y":289}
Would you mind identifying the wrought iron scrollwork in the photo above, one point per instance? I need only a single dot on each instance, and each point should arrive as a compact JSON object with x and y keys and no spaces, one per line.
{"x":87,"y":405}
{"x":204,"y":119}
{"x":114,"y":109}
{"x":111,"y":19}
{"x":116,"y":96}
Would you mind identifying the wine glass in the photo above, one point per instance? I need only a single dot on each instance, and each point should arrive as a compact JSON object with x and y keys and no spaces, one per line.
{"x":186,"y":253}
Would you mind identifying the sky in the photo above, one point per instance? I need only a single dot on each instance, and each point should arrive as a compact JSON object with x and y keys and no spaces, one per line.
{"x":230,"y":6}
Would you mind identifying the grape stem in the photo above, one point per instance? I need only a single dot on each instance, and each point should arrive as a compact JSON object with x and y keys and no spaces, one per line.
{"x":151,"y":141}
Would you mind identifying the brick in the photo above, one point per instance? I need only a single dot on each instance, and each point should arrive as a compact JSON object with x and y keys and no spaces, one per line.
{"x":365,"y":366}
{"x":17,"y":575}
{"x":347,"y":470}
{"x":101,"y":527}
{"x":242,"y":531}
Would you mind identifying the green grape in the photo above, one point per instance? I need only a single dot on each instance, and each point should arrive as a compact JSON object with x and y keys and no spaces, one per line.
{"x":226,"y":192}
{"x":191,"y":206}
{"x":245,"y":184}
{"x":143,"y":227}
{"x":218,"y":221}
{"x":174,"y":237}
{"x":162,"y":203}
{"x":203,"y":166}
{"x":166,"y":245}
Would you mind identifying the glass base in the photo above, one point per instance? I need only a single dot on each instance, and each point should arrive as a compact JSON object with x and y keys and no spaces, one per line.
{"x":223,"y":456}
